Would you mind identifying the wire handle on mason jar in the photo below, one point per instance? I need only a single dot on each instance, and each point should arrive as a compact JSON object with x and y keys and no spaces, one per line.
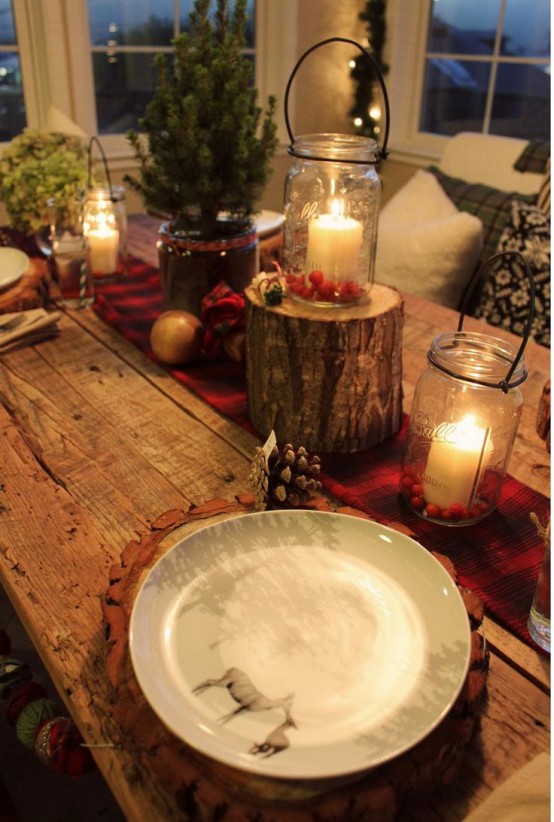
{"x":105,"y":162}
{"x":382,"y":152}
{"x":504,"y":384}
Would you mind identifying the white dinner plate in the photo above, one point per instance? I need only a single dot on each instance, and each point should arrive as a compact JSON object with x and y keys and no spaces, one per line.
{"x":268,"y":222}
{"x":13,"y":263}
{"x":299,"y":644}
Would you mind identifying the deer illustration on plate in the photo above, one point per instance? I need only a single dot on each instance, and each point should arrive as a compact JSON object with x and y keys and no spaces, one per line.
{"x":275,"y":742}
{"x":248,"y":697}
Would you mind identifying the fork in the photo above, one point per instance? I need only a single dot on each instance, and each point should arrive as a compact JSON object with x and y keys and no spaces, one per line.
{"x":9,"y":325}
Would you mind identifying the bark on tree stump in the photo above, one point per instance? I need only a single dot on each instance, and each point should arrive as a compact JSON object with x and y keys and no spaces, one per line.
{"x":330,"y":378}
{"x":543,"y":416}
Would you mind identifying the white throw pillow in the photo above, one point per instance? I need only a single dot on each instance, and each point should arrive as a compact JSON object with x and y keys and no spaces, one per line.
{"x":425,"y":246}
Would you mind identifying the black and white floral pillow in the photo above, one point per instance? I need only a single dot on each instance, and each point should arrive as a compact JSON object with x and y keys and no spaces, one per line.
{"x":505,"y":299}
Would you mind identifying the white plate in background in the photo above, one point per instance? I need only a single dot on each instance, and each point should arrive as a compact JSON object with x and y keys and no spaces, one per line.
{"x":268,"y":222}
{"x":13,"y":264}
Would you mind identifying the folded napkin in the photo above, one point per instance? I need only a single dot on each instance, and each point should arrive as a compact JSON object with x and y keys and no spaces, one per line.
{"x":37,"y":325}
{"x":524,"y":796}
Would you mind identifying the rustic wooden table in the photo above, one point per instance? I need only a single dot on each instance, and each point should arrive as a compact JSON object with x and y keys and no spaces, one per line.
{"x":96,"y":442}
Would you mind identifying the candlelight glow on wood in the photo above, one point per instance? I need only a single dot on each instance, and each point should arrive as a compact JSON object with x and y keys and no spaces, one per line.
{"x":456,"y":463}
{"x":334,"y":243}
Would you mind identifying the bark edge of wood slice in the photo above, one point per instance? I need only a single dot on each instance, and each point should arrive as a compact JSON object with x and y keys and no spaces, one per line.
{"x":31,"y":291}
{"x":201,"y":788}
{"x":330,"y":378}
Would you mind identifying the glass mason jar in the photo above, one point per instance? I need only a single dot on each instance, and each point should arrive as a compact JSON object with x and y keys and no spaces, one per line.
{"x":105,"y":226}
{"x":332,"y":197}
{"x":463,"y":424}
{"x":70,"y":252}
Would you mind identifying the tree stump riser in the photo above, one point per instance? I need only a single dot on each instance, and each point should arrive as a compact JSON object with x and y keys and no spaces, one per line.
{"x":329,"y":380}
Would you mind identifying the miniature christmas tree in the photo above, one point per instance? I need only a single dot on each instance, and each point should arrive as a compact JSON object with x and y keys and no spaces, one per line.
{"x":207,"y":145}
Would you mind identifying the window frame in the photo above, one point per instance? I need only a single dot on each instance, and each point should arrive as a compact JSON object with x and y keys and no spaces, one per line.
{"x":407,"y":24}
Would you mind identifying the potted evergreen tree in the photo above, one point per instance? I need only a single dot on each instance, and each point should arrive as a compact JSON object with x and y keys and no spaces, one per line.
{"x":204,"y":156}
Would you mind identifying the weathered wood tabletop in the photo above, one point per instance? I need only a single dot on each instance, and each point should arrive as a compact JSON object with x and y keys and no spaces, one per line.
{"x":96,"y":442}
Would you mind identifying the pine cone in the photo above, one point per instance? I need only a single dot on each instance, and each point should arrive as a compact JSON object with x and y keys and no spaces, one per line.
{"x":286,"y":479}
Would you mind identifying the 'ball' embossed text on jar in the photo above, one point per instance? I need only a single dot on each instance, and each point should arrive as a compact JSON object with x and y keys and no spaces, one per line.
{"x":332,"y":198}
{"x":463,"y":425}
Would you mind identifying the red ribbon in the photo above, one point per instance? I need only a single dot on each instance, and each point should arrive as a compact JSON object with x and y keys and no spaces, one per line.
{"x":222,"y":311}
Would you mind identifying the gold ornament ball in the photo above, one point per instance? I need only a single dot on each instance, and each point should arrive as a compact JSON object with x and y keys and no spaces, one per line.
{"x":176,"y":337}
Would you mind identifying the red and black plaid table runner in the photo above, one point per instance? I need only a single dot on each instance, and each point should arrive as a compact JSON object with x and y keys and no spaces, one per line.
{"x":498,"y":558}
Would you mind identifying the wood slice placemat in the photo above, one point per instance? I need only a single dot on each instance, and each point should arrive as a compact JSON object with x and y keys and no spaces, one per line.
{"x":31,"y":291}
{"x":205,"y":789}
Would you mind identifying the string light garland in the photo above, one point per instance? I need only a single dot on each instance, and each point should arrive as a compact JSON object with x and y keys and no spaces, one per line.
{"x":366,"y":111}
{"x":55,"y":739}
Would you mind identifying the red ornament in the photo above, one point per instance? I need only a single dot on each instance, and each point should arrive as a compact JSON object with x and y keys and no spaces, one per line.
{"x":60,"y":745}
{"x":20,"y":696}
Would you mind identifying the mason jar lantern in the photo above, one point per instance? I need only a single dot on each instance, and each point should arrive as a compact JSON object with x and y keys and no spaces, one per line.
{"x":332,"y":198}
{"x":463,"y":423}
{"x":105,"y":224}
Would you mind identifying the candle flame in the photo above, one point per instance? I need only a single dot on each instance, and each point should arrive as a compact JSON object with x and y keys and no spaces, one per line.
{"x":99,"y":217}
{"x":469,"y":436}
{"x":337,"y":209}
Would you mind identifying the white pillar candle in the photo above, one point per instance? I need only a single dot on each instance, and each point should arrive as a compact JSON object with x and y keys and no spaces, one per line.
{"x":104,"y":246}
{"x":334,"y":243}
{"x":455,"y":464}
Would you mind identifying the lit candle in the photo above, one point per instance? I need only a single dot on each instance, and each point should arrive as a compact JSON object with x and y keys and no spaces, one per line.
{"x":104,"y":245}
{"x":100,"y":228}
{"x":455,"y":464}
{"x":334,"y":243}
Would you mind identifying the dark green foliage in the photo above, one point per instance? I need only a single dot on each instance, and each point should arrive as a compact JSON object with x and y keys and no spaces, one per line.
{"x":274,"y":295}
{"x":208,"y":144}
{"x":363,"y":73}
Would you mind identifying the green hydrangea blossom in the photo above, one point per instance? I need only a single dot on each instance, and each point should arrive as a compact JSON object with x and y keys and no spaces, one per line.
{"x":38,"y":165}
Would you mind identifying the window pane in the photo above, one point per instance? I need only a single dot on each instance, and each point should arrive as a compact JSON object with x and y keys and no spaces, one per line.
{"x":463,"y":26}
{"x":525,"y":34}
{"x":12,"y":104}
{"x":454,"y":96}
{"x":124,"y":80}
{"x":144,"y":22}
{"x":124,"y":84}
{"x":7,"y":27}
{"x":521,"y":105}
{"x":131,"y":22}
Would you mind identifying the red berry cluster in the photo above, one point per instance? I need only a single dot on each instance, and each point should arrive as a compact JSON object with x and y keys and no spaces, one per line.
{"x":412,"y":489}
{"x":322,"y":290}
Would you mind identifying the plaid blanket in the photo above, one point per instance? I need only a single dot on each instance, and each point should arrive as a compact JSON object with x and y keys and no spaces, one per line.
{"x":498,"y":558}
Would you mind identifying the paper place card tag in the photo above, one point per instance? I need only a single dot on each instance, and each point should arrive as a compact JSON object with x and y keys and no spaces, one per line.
{"x":269,"y":445}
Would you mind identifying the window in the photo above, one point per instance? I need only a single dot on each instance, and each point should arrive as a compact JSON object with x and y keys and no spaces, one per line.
{"x":96,"y":68}
{"x":12,"y":104}
{"x":124,"y":37}
{"x":487,"y":68}
{"x":479,"y":65}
